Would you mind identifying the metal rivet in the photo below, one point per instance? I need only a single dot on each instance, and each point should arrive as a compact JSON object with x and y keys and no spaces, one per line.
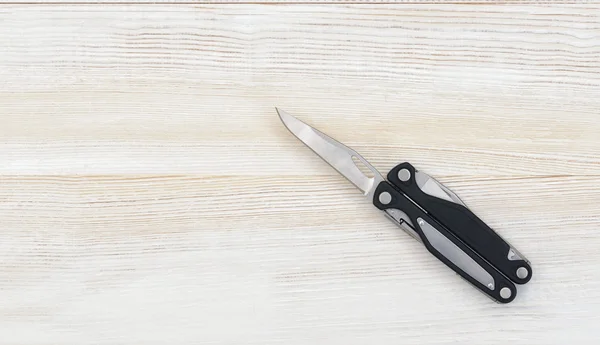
{"x":505,"y":293}
{"x":385,"y":198}
{"x":522,"y":272}
{"x":404,"y":175}
{"x":490,"y":286}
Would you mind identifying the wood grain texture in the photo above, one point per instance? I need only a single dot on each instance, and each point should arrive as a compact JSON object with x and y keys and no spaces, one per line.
{"x":149,"y":193}
{"x":300,"y":2}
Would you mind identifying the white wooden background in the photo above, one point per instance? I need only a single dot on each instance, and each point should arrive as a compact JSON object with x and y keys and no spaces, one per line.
{"x":150,"y":195}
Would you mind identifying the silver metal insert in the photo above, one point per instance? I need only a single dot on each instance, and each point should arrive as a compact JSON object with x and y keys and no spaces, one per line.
{"x":522,"y":272}
{"x":404,"y":175}
{"x":513,"y":255}
{"x":505,"y":293}
{"x":453,"y":253}
{"x":431,"y":186}
{"x":401,"y":219}
{"x":385,"y":198}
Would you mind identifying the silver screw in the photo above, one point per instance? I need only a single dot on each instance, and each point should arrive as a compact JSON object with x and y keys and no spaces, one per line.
{"x":522,"y":272}
{"x":404,"y":175}
{"x":385,"y":198}
{"x":505,"y":293}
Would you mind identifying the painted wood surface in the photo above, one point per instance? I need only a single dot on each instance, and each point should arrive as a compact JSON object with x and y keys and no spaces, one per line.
{"x":149,"y":193}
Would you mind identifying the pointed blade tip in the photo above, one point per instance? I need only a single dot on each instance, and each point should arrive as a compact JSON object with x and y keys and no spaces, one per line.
{"x":280,"y":113}
{"x":284,"y":117}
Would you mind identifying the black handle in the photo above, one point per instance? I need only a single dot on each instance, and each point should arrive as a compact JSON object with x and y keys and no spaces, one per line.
{"x":445,"y":246}
{"x":463,"y":223}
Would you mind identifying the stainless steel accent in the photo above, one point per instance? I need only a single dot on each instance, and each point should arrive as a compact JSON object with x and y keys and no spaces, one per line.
{"x":401,"y":219}
{"x":522,"y":272}
{"x":404,"y":175}
{"x":399,"y":216}
{"x":514,"y":255}
{"x":453,"y":253}
{"x":431,"y":186}
{"x":385,"y":198}
{"x":505,"y":293}
{"x":334,"y":153}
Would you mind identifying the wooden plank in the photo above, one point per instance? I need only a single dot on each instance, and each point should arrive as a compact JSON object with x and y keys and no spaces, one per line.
{"x":303,"y":2}
{"x":149,"y":193}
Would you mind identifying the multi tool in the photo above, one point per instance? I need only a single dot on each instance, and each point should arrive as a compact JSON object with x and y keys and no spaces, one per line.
{"x":429,"y":212}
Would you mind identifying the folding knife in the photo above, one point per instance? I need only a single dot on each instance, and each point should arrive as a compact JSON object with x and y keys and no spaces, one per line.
{"x":429,"y":212}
